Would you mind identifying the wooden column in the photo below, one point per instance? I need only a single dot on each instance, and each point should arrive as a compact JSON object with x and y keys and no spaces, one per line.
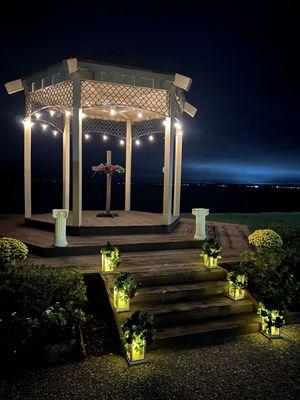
{"x":108,"y":183}
{"x":66,"y":163}
{"x":128,"y":166}
{"x":77,"y":151}
{"x":168,"y":172}
{"x":177,"y":177}
{"x":27,"y":167}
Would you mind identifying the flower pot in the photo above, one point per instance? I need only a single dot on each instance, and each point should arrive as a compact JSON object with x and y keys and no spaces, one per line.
{"x":210,"y":262}
{"x":108,"y":266}
{"x":235,"y":293}
{"x":136,"y":352}
{"x":121,"y":300}
{"x":271,"y":332}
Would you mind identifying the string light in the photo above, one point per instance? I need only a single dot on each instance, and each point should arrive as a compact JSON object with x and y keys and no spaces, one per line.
{"x":164,"y":122}
{"x":27,"y":123}
{"x":44,"y":126}
{"x":140,"y":114}
{"x":104,"y":137}
{"x":177,"y":125}
{"x":137,"y":142}
{"x":87,"y":136}
{"x":122,"y":142}
{"x":55,"y":133}
{"x":51,"y":112}
{"x":112,"y":111}
{"x":37,"y":115}
{"x":83,"y":115}
{"x":151,"y":138}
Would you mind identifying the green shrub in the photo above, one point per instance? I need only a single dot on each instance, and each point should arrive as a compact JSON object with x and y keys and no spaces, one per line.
{"x":39,"y":305}
{"x":265,"y":238}
{"x":270,"y":276}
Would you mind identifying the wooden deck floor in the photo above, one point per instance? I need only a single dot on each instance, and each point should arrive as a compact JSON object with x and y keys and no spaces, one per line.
{"x":230,"y":236}
{"x":124,"y":218}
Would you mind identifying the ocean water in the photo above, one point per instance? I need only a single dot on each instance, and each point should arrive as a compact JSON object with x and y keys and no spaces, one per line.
{"x":47,"y":194}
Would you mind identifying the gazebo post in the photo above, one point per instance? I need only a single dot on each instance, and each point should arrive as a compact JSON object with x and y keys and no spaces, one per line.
{"x":66,"y":162}
{"x":128,"y":165}
{"x":177,"y":177}
{"x":168,"y":172}
{"x":77,"y":152}
{"x":27,"y":167}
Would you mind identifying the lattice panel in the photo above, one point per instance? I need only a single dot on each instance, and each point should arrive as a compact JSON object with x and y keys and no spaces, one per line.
{"x":115,"y":128}
{"x":118,"y":128}
{"x":103,"y":94}
{"x":60,"y":94}
{"x":147,"y":127}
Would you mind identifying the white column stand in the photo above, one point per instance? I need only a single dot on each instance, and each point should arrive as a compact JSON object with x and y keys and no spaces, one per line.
{"x":200,"y":214}
{"x":60,"y":216}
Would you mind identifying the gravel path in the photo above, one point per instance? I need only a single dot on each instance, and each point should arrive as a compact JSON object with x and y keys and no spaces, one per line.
{"x":249,"y":367}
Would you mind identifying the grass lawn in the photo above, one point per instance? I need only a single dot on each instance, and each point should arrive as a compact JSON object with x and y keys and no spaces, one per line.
{"x":280,"y":221}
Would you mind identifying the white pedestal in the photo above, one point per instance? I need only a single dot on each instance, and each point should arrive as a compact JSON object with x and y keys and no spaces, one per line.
{"x":200,"y":214}
{"x":60,"y":217}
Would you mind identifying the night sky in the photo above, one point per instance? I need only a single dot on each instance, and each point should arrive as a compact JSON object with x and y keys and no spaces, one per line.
{"x":243,"y":57}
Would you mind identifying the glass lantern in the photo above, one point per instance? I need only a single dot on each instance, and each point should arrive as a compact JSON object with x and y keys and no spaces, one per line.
{"x":121,"y":300}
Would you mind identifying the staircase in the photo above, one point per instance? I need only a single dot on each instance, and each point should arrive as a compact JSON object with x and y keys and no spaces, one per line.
{"x":188,"y":301}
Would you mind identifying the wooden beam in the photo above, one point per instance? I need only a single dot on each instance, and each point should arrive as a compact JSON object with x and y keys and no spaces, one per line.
{"x":168,"y":172}
{"x":177,"y":177}
{"x":128,"y":166}
{"x":66,"y":163}
{"x":27,"y":167}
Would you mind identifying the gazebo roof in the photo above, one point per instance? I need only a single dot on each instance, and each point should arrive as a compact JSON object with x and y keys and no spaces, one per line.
{"x":102,"y":72}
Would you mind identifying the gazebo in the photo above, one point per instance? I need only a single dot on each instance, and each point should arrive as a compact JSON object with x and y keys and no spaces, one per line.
{"x":76,"y":97}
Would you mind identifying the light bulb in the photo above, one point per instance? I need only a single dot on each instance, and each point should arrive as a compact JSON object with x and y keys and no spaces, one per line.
{"x":83,"y":115}
{"x":177,"y":125}
{"x":112,"y":111}
{"x":51,"y":112}
{"x":151,"y":138}
{"x":68,"y":113}
{"x":104,"y":137}
{"x":137,"y":142}
{"x":37,"y":115}
{"x":55,"y":133}
{"x":87,"y":136}
{"x":44,"y":126}
{"x":122,"y":142}
{"x":140,"y":114}
{"x":27,"y":123}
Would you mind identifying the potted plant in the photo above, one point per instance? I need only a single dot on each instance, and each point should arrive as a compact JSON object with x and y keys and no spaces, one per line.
{"x":237,"y":282}
{"x":271,"y":282}
{"x":110,"y":257}
{"x":10,"y":251}
{"x":138,"y":331}
{"x":210,"y":252}
{"x":265,"y":239}
{"x":271,"y":321}
{"x":124,"y":289}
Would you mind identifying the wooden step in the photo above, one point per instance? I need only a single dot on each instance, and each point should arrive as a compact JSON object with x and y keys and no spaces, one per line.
{"x":206,"y":332}
{"x":184,"y":312}
{"x":170,"y":276}
{"x":180,"y":292}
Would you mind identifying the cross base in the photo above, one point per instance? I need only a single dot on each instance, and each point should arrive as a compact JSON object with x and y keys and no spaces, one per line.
{"x":108,"y":215}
